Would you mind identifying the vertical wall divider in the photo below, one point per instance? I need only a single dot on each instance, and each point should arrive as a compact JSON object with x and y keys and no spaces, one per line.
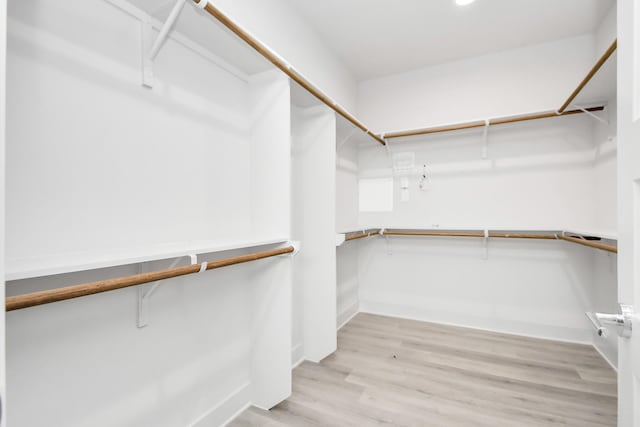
{"x":314,"y":159}
{"x":270,"y":172}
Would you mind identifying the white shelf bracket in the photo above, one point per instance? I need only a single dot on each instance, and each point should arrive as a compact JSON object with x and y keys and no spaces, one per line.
{"x":387,"y":242}
{"x":590,"y":114}
{"x":145,"y":292}
{"x":150,"y":51}
{"x":486,"y":245}
{"x":346,"y":139}
{"x":485,"y":139}
{"x":388,"y":147}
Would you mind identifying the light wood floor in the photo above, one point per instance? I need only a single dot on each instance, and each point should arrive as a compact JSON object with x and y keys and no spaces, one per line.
{"x":396,"y":372}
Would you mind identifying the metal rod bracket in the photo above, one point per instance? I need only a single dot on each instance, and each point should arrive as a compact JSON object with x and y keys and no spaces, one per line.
{"x":623,"y":323}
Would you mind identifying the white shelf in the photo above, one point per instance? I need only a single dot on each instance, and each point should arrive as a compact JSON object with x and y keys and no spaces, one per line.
{"x":603,"y":234}
{"x":25,"y":268}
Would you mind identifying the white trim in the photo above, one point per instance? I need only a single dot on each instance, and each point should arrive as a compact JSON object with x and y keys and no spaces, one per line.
{"x":297,"y":356}
{"x":237,"y":414}
{"x":606,"y":359}
{"x":385,"y":311}
{"x":348,"y":314}
{"x":228,"y":409}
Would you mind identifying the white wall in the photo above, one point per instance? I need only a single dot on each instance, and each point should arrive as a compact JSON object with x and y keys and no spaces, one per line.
{"x":346,"y":178}
{"x":270,"y":154}
{"x":83,"y":163}
{"x":347,"y":281}
{"x":537,"y":174}
{"x":606,"y":31}
{"x":539,"y":288}
{"x":518,"y":81}
{"x":275,"y":24}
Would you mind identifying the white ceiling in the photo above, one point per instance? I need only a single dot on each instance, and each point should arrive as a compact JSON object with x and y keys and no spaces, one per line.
{"x":381,"y":37}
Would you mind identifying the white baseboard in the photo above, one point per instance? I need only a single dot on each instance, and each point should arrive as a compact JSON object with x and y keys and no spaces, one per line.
{"x":348,"y":314}
{"x":606,"y":358}
{"x":227,"y":410}
{"x":392,"y":310}
{"x":297,"y":355}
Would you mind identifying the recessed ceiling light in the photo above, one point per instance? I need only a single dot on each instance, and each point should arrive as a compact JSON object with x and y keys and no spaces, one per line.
{"x":464,"y":2}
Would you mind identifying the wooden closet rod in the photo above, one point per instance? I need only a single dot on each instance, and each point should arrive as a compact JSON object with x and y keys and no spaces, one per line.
{"x":285,"y":68}
{"x":433,"y":233}
{"x":46,"y":297}
{"x":589,"y":75}
{"x":590,"y":243}
{"x":492,"y":122}
{"x":522,"y":236}
{"x":469,"y":234}
{"x":367,"y":233}
{"x":494,"y":234}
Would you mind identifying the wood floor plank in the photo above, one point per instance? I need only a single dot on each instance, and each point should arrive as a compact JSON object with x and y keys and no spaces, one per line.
{"x":505,"y":367}
{"x":397,"y":372}
{"x":581,"y":356}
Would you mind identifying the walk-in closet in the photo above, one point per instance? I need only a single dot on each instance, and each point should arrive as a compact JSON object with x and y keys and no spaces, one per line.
{"x":320,"y":213}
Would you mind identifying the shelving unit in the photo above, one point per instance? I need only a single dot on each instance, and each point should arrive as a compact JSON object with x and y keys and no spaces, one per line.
{"x":123,"y":176}
{"x":26,"y":268}
{"x":348,"y":236}
{"x":582,"y":238}
{"x":75,"y":291}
